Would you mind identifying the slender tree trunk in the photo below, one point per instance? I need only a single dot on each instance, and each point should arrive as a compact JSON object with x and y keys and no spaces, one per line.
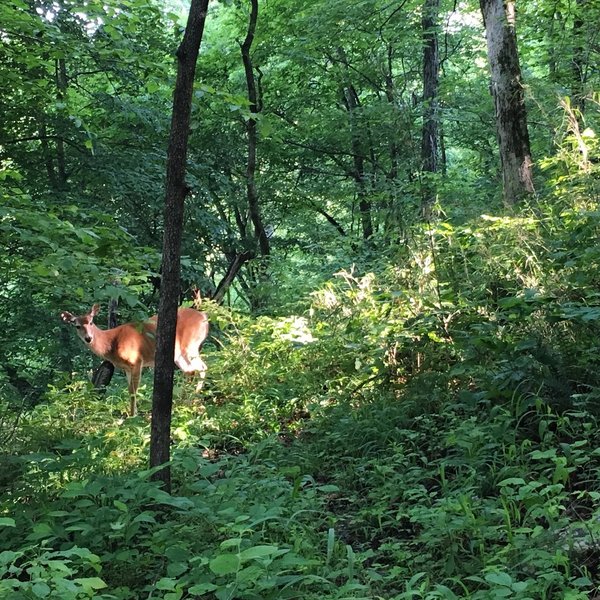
{"x":509,"y":99}
{"x":46,"y":153}
{"x":578,"y":61}
{"x":252,"y":134}
{"x":443,"y":160}
{"x":389,"y":95}
{"x":330,"y":219}
{"x":176,"y":191}
{"x":234,"y":268}
{"x":393,"y":216}
{"x":236,"y":259}
{"x":61,"y":84}
{"x":555,"y":22}
{"x":430,"y":134}
{"x":260,"y":273}
{"x":352,"y":103}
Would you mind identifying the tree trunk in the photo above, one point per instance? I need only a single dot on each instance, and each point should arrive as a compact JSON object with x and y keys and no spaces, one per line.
{"x":234,"y":268}
{"x":176,"y":190}
{"x":578,"y":61}
{"x":236,"y":259}
{"x":352,"y":103}
{"x":252,"y":133}
{"x":430,"y":139}
{"x":393,"y":215}
{"x":509,"y":99}
{"x":61,"y":84}
{"x":330,"y":219}
{"x":46,"y":153}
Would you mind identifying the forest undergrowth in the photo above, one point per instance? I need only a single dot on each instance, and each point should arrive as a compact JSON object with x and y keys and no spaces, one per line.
{"x":394,"y":206}
{"x":425,"y":427}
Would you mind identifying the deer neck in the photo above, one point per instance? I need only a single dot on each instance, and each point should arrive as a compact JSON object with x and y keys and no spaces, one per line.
{"x":101,"y":344}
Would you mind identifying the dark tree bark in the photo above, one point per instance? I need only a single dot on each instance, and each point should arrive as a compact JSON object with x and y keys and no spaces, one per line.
{"x":352,"y":103}
{"x":57,"y":175}
{"x":103,"y":374}
{"x":443,"y":160}
{"x":390,"y":97}
{"x":234,"y":268}
{"x":176,"y":191}
{"x":393,"y":217}
{"x":46,"y":152}
{"x":237,"y":259}
{"x":509,"y":99}
{"x":252,"y":133}
{"x":330,"y":219}
{"x":430,"y":134}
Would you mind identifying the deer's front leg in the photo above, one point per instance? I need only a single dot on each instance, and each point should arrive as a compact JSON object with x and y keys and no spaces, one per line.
{"x":133,"y":381}
{"x":200,"y":369}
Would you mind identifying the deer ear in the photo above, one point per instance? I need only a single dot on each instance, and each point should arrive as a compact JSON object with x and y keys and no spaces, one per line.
{"x":67,"y":317}
{"x":94,"y":310}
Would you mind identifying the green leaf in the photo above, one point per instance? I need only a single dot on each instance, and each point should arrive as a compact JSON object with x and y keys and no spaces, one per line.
{"x":176,"y":569}
{"x":121,"y":506}
{"x":519,"y":586}
{"x":177,"y":553}
{"x":328,"y":489}
{"x":175,"y":501}
{"x":41,"y":589}
{"x":8,"y":556}
{"x":202,"y":588}
{"x":7,"y":522}
{"x":258,"y":552}
{"x":512,"y":481}
{"x":499,"y":579}
{"x":145,"y":517}
{"x":92,"y":583}
{"x":541,"y":454}
{"x":42,"y":529}
{"x":224,"y":564}
{"x":152,"y":86}
{"x":166,"y":584}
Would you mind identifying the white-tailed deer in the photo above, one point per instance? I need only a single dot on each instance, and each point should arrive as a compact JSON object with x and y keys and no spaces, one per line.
{"x":132,"y":346}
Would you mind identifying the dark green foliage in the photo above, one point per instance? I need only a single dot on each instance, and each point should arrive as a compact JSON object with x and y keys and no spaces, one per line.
{"x":415,"y":416}
{"x":415,"y":434}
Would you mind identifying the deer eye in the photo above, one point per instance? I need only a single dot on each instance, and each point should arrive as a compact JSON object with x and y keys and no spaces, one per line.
{"x":77,"y":326}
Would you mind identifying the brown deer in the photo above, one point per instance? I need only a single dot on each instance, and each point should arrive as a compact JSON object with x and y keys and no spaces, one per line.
{"x":132,"y":346}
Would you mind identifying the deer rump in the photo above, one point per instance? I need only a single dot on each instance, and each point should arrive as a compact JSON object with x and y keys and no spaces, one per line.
{"x":190,"y":334}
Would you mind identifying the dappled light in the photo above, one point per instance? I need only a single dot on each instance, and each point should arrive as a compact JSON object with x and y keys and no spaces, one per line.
{"x":388,"y":275}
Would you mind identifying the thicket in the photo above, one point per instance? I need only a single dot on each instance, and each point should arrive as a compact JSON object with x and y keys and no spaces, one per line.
{"x":422,"y":425}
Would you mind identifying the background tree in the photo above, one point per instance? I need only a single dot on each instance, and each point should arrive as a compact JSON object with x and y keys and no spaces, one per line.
{"x":255,"y":107}
{"x":509,"y":99}
{"x":431,"y":136}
